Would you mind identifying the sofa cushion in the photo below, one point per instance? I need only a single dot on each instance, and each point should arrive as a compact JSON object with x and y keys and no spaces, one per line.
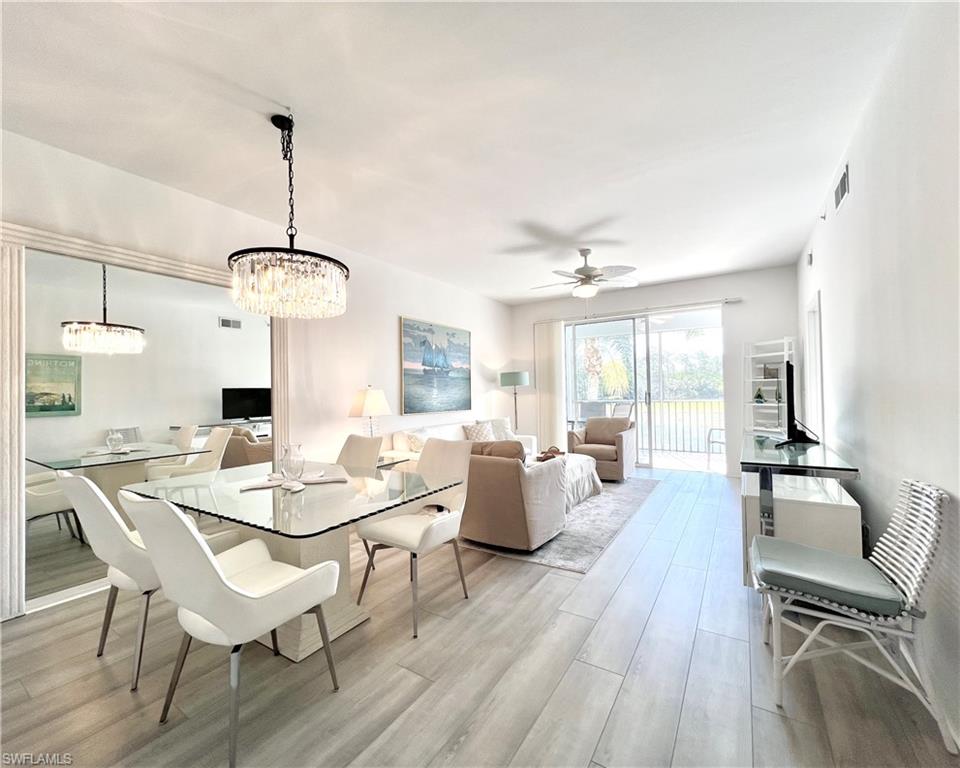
{"x":245,"y":432}
{"x":603,"y":431}
{"x":843,"y":579}
{"x":503,"y":449}
{"x":481,"y":431}
{"x":501,"y":428}
{"x":597,"y":451}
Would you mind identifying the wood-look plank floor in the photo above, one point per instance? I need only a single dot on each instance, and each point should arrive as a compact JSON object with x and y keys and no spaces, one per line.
{"x":56,"y":560}
{"x":652,"y":658}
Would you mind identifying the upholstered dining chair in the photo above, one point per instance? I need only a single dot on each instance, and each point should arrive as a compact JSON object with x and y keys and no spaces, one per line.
{"x":360,"y":452}
{"x":183,"y":439}
{"x":879,"y":597}
{"x":44,"y":498}
{"x":129,"y":567}
{"x":433,"y":525}
{"x":230,"y":599}
{"x":215,"y":445}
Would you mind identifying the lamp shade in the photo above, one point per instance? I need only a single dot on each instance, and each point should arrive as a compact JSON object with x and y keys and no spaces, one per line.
{"x":370,"y":402}
{"x":514,"y":378}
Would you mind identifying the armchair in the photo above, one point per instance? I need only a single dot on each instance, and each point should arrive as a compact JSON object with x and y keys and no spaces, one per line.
{"x":611,"y":442}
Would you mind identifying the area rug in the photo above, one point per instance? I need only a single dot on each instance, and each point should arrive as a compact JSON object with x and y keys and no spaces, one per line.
{"x":590,"y":527}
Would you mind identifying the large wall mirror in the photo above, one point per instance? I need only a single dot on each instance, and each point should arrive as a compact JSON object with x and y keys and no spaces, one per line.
{"x":117,"y":417}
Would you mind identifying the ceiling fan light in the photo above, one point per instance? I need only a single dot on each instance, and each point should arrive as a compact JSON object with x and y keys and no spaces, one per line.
{"x":585,"y":290}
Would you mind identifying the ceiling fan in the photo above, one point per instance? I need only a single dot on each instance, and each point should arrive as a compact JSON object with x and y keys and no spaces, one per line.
{"x":587,"y":280}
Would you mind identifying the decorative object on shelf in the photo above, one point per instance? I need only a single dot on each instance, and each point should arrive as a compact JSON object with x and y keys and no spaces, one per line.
{"x":758,"y":396}
{"x":370,"y":403}
{"x":771,"y":372}
{"x":288,"y":282}
{"x":52,"y":385}
{"x":779,"y":393}
{"x":292,"y":461}
{"x":515,"y":379}
{"x":102,"y":338}
{"x":435,"y":362}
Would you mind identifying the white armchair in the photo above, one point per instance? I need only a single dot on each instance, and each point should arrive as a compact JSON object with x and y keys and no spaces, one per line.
{"x":432,"y":526}
{"x":128,"y":562}
{"x":227,"y":600}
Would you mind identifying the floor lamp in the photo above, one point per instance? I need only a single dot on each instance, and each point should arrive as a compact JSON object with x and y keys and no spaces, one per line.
{"x":514,"y":379}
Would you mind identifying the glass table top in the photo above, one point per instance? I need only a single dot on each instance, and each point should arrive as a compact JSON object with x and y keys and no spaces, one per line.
{"x":101,"y":457}
{"x":315,"y":510}
{"x":762,"y":452}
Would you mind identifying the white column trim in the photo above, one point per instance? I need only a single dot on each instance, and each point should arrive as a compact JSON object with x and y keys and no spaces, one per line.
{"x":12,"y":511}
{"x":14,"y":240}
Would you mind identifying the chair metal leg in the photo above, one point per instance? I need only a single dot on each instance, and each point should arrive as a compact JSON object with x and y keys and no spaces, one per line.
{"x":175,"y":677}
{"x":366,"y":572}
{"x":366,"y":547}
{"x":68,"y":517}
{"x":765,"y":620}
{"x":141,"y":633}
{"x":234,"y":702}
{"x":79,"y":528}
{"x":463,"y":580}
{"x":413,"y":589}
{"x":59,"y":523}
{"x":776,"y":613}
{"x":107,"y":616}
{"x":276,"y":644}
{"x":325,"y":636}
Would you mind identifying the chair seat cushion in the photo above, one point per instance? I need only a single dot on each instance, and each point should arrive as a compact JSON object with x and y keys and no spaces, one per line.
{"x":843,"y":579}
{"x":402,"y":532}
{"x":599,"y":452}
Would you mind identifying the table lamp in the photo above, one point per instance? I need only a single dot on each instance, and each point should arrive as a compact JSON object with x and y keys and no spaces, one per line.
{"x":514,"y":379}
{"x":370,"y":403}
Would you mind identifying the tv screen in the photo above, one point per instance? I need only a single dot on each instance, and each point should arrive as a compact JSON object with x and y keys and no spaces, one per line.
{"x":246,"y":403}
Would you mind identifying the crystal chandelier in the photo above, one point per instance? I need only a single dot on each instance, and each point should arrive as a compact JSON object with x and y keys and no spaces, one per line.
{"x":288,"y":282}
{"x":102,"y":338}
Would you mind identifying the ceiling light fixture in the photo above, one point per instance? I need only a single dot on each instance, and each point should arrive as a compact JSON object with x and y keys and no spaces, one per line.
{"x":102,"y":338}
{"x":288,"y":282}
{"x":585,"y":290}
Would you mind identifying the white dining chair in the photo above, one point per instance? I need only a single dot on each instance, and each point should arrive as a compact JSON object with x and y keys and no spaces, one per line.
{"x":433,"y":525}
{"x":44,"y":497}
{"x":129,"y":565}
{"x":360,"y":452}
{"x":879,"y":597}
{"x":231,"y":599}
{"x":215,"y":445}
{"x":183,"y":439}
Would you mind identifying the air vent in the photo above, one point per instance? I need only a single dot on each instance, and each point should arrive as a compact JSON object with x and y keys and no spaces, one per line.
{"x":842,"y":188}
{"x":226,"y":322}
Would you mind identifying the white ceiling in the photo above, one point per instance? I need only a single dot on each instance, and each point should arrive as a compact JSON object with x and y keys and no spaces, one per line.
{"x":480,"y":143}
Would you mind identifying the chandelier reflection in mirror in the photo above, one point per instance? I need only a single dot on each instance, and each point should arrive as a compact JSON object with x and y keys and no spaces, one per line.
{"x":102,"y":338}
{"x":288,"y":282}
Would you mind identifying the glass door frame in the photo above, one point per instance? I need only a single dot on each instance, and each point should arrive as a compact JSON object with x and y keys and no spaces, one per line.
{"x":642,"y":406}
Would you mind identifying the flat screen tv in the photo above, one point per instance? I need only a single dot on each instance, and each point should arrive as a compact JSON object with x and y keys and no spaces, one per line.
{"x":246,"y":402}
{"x":796,"y":429}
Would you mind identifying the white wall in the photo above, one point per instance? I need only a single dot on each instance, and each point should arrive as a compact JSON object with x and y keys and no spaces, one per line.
{"x":177,"y":379}
{"x":768,"y":310}
{"x":886,"y":266}
{"x":331,"y":359}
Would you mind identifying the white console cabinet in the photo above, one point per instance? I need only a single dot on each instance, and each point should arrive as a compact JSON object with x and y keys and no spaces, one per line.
{"x":814,"y":511}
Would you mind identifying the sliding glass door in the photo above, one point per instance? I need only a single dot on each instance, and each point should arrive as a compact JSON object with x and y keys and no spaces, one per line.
{"x":608,"y":375}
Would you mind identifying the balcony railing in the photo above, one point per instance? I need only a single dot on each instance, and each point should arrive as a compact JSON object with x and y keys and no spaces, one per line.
{"x":678,"y":425}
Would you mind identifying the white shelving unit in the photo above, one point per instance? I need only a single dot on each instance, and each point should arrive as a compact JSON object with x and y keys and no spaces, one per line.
{"x":765,"y":386}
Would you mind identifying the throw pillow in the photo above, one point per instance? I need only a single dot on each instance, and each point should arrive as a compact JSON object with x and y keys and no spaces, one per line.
{"x":501,"y":428}
{"x":481,"y":432}
{"x":415,"y":440}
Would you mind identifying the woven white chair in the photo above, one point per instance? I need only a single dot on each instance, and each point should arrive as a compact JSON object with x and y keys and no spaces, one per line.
{"x":878,"y":597}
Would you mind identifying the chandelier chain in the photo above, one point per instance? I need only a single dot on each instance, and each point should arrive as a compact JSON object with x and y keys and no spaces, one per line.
{"x":286,"y":147}
{"x":104,"y":266}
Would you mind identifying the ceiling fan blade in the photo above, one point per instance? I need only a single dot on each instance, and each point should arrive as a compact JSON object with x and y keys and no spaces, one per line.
{"x":553,"y":285}
{"x":618,"y":283}
{"x":561,"y":273}
{"x":617,"y":270}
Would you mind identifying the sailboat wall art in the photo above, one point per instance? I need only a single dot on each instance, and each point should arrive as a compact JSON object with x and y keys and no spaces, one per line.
{"x":436,"y":367}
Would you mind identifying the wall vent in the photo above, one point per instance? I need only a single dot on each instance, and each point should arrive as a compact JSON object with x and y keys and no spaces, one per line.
{"x":226,"y":322}
{"x":843,"y":187}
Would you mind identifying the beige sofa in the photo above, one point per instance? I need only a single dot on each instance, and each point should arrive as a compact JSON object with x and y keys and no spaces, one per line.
{"x":509,"y":504}
{"x":403,"y":444}
{"x":611,"y":441}
{"x":244,"y":448}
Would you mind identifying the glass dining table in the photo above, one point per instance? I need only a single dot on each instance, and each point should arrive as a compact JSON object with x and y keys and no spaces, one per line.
{"x":111,"y":470}
{"x":305,"y":527}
